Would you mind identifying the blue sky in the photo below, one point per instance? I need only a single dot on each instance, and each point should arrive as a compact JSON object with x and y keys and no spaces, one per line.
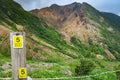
{"x":112,"y":6}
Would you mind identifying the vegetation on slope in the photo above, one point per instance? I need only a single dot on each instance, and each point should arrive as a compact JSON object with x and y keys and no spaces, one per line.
{"x":12,"y":14}
{"x":110,"y":29}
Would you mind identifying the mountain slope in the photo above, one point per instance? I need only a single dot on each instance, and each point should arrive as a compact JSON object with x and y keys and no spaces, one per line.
{"x":113,"y":19}
{"x":83,"y":22}
{"x":70,"y":20}
{"x":14,"y":18}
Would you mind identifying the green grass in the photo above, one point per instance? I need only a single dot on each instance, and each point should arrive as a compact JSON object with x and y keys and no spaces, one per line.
{"x":55,"y":70}
{"x":52,"y":72}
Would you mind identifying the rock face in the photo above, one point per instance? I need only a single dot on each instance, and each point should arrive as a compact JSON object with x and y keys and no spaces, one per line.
{"x":70,"y":20}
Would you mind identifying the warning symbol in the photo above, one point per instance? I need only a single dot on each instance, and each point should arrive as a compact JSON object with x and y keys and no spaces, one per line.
{"x":18,"y":41}
{"x":22,"y":73}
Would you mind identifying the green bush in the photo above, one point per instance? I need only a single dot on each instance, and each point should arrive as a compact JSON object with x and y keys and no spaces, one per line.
{"x":85,"y":67}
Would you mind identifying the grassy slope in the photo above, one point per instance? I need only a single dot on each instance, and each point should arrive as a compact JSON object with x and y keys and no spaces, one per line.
{"x":32,"y":25}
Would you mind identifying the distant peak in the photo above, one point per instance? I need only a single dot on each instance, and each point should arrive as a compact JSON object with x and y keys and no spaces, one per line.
{"x":73,"y":6}
{"x":54,"y":6}
{"x":84,"y":3}
{"x":76,"y":3}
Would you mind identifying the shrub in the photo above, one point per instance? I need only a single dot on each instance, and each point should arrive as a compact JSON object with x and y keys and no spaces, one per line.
{"x":85,"y":67}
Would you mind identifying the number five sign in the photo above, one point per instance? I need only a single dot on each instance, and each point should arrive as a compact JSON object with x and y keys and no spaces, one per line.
{"x":22,"y":73}
{"x":18,"y":41}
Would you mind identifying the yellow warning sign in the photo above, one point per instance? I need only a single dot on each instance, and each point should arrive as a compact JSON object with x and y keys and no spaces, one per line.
{"x":18,"y":41}
{"x":22,"y":73}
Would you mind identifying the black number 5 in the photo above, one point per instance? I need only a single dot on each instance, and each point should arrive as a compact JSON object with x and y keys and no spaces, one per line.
{"x":17,"y":39}
{"x":22,"y":71}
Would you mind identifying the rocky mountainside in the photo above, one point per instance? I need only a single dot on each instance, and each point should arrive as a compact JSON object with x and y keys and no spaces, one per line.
{"x":70,"y":20}
{"x":83,"y":22}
